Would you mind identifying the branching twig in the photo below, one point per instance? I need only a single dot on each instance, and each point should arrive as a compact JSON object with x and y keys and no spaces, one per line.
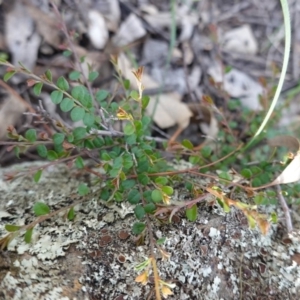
{"x":77,"y":61}
{"x":6,"y":239}
{"x":151,"y":243}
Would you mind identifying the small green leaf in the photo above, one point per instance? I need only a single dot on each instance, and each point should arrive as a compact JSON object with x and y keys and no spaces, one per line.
{"x":3,"y":57}
{"x":143,"y":165}
{"x":87,"y":101}
{"x":233,"y":104}
{"x":30,"y":135}
{"x":260,"y":199}
{"x":58,"y":138}
{"x":187,"y":144}
{"x":134,"y":95}
{"x":28,"y":235}
{"x":101,"y":95}
{"x":67,"y":53}
{"x":114,"y":172}
{"x":274,"y":218}
{"x":225,"y":175}
{"x":150,"y":208}
{"x":37,"y":175}
{"x":224,"y":205}
{"x":134,"y":197}
{"x":256,"y":182}
{"x":128,"y":161}
{"x":233,"y":124}
{"x":93,"y":75}
{"x":138,"y":228}
{"x":194,"y":160}
{"x":167,"y":190}
{"x":105,"y":156}
{"x":126,"y":84}
{"x":17,"y":151}
{"x":89,"y":119}
{"x":128,"y":183}
{"x":255,"y":170}
{"x":56,"y":96}
{"x":114,"y":106}
{"x":88,"y":144}
{"x":156,"y":196}
{"x":139,"y":212}
{"x":138,"y":125}
{"x":79,"y":133}
{"x":146,"y":121}
{"x":78,"y":92}
{"x":74,"y":75}
{"x":41,"y":209}
{"x":59,"y":149}
{"x":161,"y":241}
{"x":227,"y":69}
{"x":105,"y":195}
{"x":12,"y":228}
{"x":145,"y":101}
{"x":98,"y":142}
{"x":129,"y":129}
{"x":191,"y":213}
{"x":48,"y":75}
{"x":246,"y":173}
{"x":82,"y":58}
{"x":8,"y":75}
{"x":130,"y":139}
{"x":67,"y":104}
{"x":147,"y":196}
{"x":71,"y":214}
{"x":273,"y":193}
{"x":77,"y":114}
{"x":273,"y":201}
{"x":42,"y":151}
{"x":251,"y":221}
{"x":79,"y":162}
{"x":189,"y":186}
{"x":118,"y":161}
{"x":70,"y":138}
{"x":206,"y":152}
{"x":161,"y":180}
{"x":83,"y":189}
{"x":38,"y":88}
{"x":52,"y":155}
{"x":143,"y":179}
{"x":62,"y":83}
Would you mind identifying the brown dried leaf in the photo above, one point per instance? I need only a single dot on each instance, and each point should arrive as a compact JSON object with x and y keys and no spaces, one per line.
{"x":47,"y":25}
{"x":10,"y":113}
{"x":168,"y":111}
{"x":291,"y":173}
{"x":292,"y":143}
{"x":207,"y":121}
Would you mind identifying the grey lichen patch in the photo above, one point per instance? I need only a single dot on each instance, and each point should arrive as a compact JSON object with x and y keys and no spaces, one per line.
{"x":39,"y":271}
{"x":93,"y":257}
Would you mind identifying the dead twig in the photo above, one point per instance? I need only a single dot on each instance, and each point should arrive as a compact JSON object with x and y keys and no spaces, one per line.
{"x":286,"y":210}
{"x":77,"y":61}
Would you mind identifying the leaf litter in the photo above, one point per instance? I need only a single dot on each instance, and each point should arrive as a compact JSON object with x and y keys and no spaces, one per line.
{"x":204,"y":254}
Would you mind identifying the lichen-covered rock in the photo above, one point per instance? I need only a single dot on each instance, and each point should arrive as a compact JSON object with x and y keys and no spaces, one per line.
{"x":93,"y":257}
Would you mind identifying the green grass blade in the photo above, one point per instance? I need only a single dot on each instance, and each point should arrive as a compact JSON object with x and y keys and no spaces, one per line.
{"x":287,"y":29}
